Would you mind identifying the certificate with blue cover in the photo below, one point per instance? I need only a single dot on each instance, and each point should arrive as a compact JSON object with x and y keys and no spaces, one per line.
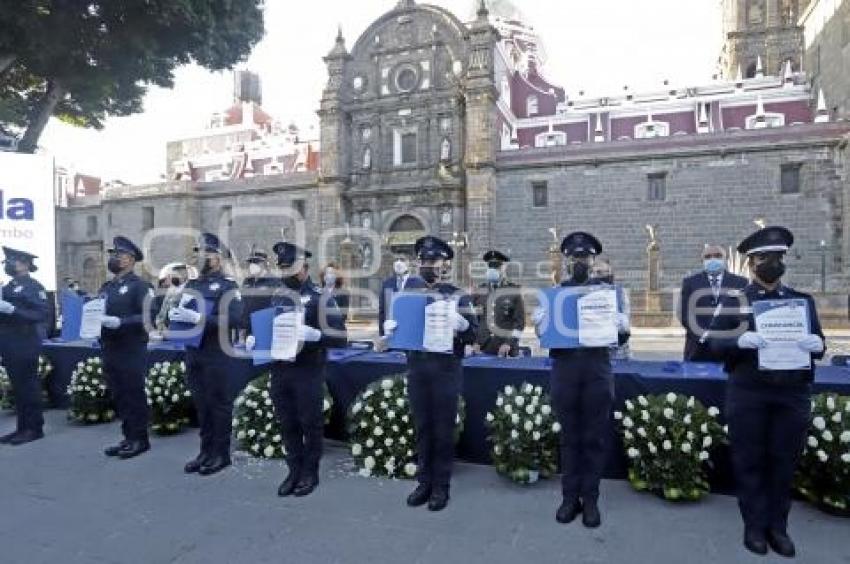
{"x":262,"y":323}
{"x":189,"y":334}
{"x":561,"y":326}
{"x":72,"y":316}
{"x":408,"y":310}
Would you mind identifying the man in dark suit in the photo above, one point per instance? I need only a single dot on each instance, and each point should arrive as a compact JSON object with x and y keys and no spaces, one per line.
{"x":402,"y":279}
{"x":701,"y":293}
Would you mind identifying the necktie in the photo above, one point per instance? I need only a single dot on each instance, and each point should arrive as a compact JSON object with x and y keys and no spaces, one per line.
{"x":715,"y":285}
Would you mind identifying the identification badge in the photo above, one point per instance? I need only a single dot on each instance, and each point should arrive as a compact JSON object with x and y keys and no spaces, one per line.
{"x":123,"y":290}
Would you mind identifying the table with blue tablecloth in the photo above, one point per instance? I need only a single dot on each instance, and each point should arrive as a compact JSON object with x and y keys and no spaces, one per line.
{"x":349,"y":371}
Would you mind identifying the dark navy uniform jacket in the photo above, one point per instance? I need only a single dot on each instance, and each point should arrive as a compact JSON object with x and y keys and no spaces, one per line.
{"x":125,"y":299}
{"x":506,"y":313}
{"x":213,"y":287}
{"x":310,"y":302}
{"x":464,"y":307}
{"x":622,"y":337}
{"x":742,"y":364}
{"x":253,"y":303}
{"x":31,"y":309}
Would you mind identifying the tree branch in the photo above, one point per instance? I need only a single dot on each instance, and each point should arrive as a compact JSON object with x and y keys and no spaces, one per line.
{"x":40,"y":115}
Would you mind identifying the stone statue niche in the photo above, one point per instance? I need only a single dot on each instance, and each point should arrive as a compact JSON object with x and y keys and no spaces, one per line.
{"x":653,"y":267}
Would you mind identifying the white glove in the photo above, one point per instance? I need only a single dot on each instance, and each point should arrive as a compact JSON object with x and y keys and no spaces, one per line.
{"x":623,"y":323}
{"x":390,"y":325}
{"x":250,"y":343}
{"x":811,"y":344}
{"x":110,"y":322}
{"x":183,"y":315}
{"x":309,"y":334}
{"x":751,"y":340}
{"x":6,"y":307}
{"x":538,"y":315}
{"x":460,"y":323}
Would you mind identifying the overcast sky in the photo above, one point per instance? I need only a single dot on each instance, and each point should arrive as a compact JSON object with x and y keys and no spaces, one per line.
{"x":593,"y":45}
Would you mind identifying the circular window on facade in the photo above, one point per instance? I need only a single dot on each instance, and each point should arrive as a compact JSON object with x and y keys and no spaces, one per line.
{"x":406,"y":79}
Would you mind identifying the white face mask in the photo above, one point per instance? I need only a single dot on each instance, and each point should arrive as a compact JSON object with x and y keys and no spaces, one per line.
{"x":493,"y":275}
{"x":400,"y":267}
{"x":255,"y":269}
{"x":330,"y":277}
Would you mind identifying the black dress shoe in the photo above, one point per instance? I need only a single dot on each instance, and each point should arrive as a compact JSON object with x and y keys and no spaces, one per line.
{"x":306,"y":486}
{"x":755,"y":542}
{"x":115,"y":450}
{"x":590,"y":517}
{"x":289,"y":484}
{"x":781,"y":543}
{"x":25,"y":437}
{"x":420,"y":496}
{"x":6,"y":439}
{"x":568,"y":511}
{"x":214,"y":465}
{"x":133,"y":449}
{"x":193,"y":466}
{"x":439,"y":499}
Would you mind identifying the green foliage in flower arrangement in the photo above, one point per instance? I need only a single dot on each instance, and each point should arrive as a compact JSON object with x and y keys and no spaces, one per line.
{"x":524,"y":434}
{"x":169,"y":398}
{"x":823,"y":475}
{"x":91,"y":399}
{"x":7,"y":394}
{"x":668,"y":440}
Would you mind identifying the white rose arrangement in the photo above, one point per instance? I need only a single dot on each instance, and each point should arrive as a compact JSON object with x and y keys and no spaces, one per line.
{"x":523,"y":434}
{"x":668,"y":440}
{"x":823,"y":475}
{"x":381,"y":432}
{"x":255,"y":421}
{"x":91,"y":399}
{"x":169,"y":397}
{"x":7,"y":396}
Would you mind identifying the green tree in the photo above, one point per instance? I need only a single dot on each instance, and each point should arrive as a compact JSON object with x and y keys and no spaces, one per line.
{"x":82,"y":60}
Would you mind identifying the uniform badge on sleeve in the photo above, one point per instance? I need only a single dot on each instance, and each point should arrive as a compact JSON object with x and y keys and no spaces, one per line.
{"x":305,"y":300}
{"x":42,"y":295}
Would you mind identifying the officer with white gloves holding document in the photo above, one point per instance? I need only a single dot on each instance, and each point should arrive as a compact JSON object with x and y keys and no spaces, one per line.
{"x":769,"y":347}
{"x":298,"y":374}
{"x":581,"y":382}
{"x":435,"y":372}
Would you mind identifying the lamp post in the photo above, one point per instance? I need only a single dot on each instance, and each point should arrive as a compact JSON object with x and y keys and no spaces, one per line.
{"x":823,"y":249}
{"x":459,"y":243}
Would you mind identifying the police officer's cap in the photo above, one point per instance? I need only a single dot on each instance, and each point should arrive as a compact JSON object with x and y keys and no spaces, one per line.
{"x":288,"y":254}
{"x":432,"y":248}
{"x":767,"y":240}
{"x":258,"y":256}
{"x":19,"y":256}
{"x":580,"y":244}
{"x":124,"y":246}
{"x":209,"y":243}
{"x":496,"y":256}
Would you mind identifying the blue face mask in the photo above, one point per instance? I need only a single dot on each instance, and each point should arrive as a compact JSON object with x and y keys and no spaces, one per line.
{"x":714,"y":266}
{"x":492,"y":275}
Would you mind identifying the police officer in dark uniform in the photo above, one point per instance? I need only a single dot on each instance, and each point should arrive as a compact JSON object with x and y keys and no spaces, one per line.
{"x":582,"y":389}
{"x":23,"y":307}
{"x":768,"y":411}
{"x":500,"y":308}
{"x":435,"y":380}
{"x":124,"y":338}
{"x":256,"y":287}
{"x":297,"y":387}
{"x":207,"y":365}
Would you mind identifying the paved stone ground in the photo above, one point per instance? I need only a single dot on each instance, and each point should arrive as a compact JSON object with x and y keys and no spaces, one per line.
{"x":63,"y":501}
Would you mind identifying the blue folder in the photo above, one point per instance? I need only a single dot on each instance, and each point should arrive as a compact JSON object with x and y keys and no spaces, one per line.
{"x":188,"y":334}
{"x":561,"y":332}
{"x":262,"y":323}
{"x":408,"y":310}
{"x":72,"y":315}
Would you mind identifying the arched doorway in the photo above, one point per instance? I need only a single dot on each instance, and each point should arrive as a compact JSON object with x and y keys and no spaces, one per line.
{"x":403,"y":233}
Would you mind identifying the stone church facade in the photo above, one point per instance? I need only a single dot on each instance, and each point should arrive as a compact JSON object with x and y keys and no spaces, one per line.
{"x":429,"y":124}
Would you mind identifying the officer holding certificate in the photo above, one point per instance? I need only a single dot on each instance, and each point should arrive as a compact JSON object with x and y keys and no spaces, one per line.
{"x":219,"y":311}
{"x":257,"y":286}
{"x":297,"y":386}
{"x":499,"y":304}
{"x":124,"y":338}
{"x":769,"y":350}
{"x":23,"y":306}
{"x":582,"y":389}
{"x":435,"y":378}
